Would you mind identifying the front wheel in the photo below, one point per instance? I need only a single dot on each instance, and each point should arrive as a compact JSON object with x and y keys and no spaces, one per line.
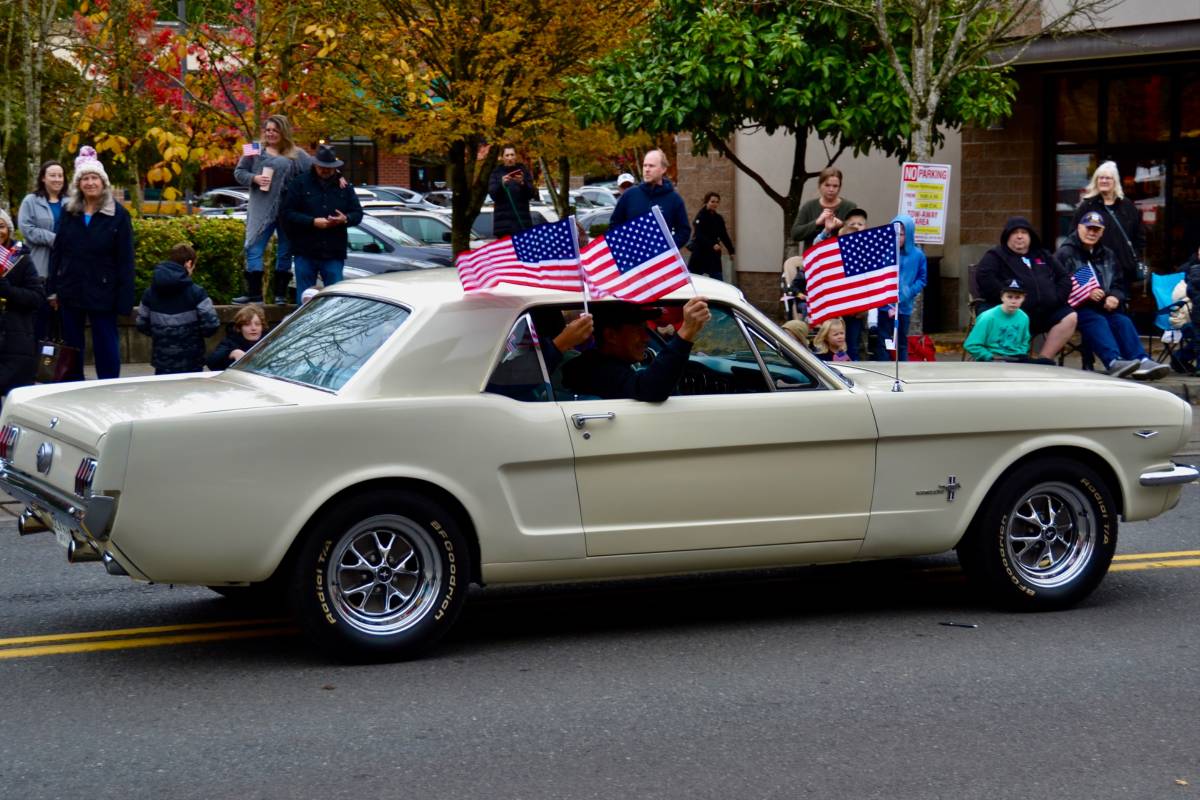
{"x":1045,"y":538}
{"x":381,"y":576}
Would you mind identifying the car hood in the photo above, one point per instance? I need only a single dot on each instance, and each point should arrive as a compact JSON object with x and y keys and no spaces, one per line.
{"x":83,"y":412}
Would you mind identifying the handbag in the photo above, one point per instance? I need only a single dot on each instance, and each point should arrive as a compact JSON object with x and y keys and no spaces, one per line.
{"x":1141,"y":270}
{"x":57,"y":361}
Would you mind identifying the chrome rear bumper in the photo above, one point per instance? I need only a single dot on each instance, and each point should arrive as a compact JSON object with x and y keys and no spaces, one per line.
{"x":89,"y":520}
{"x":1177,"y":474}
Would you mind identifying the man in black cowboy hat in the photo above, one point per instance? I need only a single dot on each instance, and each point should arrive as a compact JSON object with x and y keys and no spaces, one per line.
{"x":621,"y":336}
{"x":317,"y":209}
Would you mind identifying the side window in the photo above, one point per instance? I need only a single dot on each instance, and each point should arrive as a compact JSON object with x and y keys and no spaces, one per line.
{"x":722,"y":361}
{"x":782,"y":368}
{"x":358,"y":238}
{"x":519,"y":373}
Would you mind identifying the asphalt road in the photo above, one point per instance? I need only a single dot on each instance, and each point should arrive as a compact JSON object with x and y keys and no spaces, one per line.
{"x":820,"y":682}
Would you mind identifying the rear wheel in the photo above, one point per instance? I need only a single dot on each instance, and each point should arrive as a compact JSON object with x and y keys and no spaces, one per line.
{"x":1045,"y":538}
{"x":381,"y":576}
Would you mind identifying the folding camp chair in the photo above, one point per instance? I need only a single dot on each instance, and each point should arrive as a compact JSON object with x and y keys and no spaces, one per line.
{"x":1163,"y":289}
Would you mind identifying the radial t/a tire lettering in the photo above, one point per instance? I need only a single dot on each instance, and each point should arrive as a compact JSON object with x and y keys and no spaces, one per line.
{"x":381,"y":576}
{"x":1045,"y":538}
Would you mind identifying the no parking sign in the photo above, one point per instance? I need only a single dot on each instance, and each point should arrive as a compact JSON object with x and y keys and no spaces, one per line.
{"x":924,"y":196}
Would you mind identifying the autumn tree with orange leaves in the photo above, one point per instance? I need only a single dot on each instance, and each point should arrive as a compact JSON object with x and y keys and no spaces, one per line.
{"x":454,"y":77}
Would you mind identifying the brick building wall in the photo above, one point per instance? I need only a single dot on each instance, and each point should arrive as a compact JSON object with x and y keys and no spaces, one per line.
{"x":394,"y":169}
{"x":1002,"y":172}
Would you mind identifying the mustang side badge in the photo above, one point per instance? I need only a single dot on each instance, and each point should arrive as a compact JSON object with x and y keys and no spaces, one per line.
{"x":950,"y":487}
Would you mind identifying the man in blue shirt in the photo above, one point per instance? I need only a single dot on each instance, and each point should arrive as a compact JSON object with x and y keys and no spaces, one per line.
{"x":655,"y":190}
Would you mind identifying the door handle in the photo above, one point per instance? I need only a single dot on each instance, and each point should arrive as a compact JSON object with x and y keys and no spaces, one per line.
{"x":579,"y":420}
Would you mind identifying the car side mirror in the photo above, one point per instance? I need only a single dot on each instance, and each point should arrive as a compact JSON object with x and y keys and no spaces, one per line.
{"x":372,"y":247}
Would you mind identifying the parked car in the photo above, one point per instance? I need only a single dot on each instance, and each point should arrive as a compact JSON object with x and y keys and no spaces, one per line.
{"x":596,"y":221}
{"x":598,"y":195}
{"x":482,"y":227}
{"x":427,"y":228}
{"x":402,"y":194}
{"x":407,"y":441}
{"x":440,"y":197}
{"x":218,"y":201}
{"x":375,"y":246}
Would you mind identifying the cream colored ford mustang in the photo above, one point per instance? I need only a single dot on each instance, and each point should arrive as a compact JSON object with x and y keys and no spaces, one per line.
{"x":396,"y":440}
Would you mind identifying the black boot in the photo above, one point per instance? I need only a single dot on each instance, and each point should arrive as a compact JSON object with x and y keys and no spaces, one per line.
{"x":279,"y":287}
{"x":254,"y":282}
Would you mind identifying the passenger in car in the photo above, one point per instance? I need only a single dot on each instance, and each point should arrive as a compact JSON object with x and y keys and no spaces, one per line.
{"x":557,"y":336}
{"x":621,"y":335}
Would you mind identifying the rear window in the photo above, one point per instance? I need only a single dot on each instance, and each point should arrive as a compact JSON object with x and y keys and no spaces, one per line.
{"x":325,"y":342}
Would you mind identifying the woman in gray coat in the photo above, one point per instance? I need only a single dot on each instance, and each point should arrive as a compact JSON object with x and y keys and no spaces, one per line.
{"x":267,"y":174}
{"x":37,"y":220}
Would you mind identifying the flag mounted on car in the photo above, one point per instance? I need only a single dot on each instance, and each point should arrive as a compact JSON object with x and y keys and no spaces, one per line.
{"x":852,"y":273}
{"x":636,"y":261}
{"x":1083,"y":283}
{"x":545,"y":256}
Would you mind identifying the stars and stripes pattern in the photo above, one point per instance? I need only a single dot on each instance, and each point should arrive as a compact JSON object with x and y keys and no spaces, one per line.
{"x":852,"y":273}
{"x":250,"y":149}
{"x":1083,"y":282}
{"x":545,"y":256}
{"x":636,"y":261}
{"x":8,"y":258}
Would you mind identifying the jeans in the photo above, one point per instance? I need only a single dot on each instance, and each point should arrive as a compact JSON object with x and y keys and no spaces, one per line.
{"x":283,"y":250}
{"x":105,"y":344}
{"x":307,"y":269}
{"x":887,"y":330}
{"x":1110,"y":335}
{"x":854,"y":329}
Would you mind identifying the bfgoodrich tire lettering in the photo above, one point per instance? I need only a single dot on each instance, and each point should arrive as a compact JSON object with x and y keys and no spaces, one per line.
{"x":382,"y":576}
{"x":1045,"y":537}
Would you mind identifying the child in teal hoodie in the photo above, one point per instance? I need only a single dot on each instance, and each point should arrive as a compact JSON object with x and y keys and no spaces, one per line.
{"x":912,"y":281}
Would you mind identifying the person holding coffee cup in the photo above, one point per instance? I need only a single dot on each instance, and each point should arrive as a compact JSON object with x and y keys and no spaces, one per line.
{"x":268,"y":166}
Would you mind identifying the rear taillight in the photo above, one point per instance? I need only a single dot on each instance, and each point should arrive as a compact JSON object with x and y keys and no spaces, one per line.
{"x":84,"y":476}
{"x":9,"y":435}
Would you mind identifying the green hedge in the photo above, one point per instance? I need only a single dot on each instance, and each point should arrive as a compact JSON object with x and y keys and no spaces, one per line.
{"x":219,"y":250}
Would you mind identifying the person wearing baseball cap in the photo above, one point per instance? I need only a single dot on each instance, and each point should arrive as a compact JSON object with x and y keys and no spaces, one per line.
{"x":1002,"y":332}
{"x":624,"y":182}
{"x":621,"y":335}
{"x":1106,"y":329}
{"x":91,"y":266}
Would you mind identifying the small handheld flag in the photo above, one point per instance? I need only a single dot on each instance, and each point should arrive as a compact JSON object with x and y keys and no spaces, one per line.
{"x":1083,"y":283}
{"x":251,"y":149}
{"x":545,"y":256}
{"x":852,"y":273}
{"x":636,"y":261}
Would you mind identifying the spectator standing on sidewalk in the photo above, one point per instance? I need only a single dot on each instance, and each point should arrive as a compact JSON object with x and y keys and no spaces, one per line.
{"x":317,"y":209}
{"x":625,"y":182}
{"x":1102,"y":322}
{"x":1124,"y":235}
{"x":912,"y":283}
{"x":21,"y":295}
{"x":655,"y":190}
{"x":177,"y":314}
{"x":37,"y":219}
{"x":1021,"y":257}
{"x":828,"y":207}
{"x":91,"y":266}
{"x":710,"y":235}
{"x":511,"y":188}
{"x":267,"y":167}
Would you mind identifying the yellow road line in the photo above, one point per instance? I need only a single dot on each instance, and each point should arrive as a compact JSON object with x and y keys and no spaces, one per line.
{"x":1145,"y":556}
{"x":148,"y":641}
{"x":1179,"y":562}
{"x":62,"y":637}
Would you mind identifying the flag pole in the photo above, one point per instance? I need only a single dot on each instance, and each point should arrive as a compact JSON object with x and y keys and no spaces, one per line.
{"x":896,"y":386}
{"x":662,"y":223}
{"x":579,"y":261}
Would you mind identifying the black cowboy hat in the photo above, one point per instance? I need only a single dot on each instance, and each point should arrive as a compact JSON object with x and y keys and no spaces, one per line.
{"x":326,"y":157}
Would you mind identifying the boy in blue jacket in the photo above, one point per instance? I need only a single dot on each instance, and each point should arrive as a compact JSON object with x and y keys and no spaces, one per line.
{"x":912,"y":281}
{"x":177,"y":314}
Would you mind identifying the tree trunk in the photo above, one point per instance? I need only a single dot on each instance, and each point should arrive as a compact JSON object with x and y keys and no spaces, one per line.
{"x":460,"y":224}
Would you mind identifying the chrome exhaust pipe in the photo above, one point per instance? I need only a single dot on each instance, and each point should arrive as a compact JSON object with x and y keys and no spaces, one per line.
{"x":111,"y":565}
{"x":79,"y":552}
{"x":29,"y":523}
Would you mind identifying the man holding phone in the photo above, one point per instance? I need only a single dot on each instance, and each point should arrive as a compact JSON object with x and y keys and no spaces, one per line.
{"x":511,"y":187}
{"x":317,"y":209}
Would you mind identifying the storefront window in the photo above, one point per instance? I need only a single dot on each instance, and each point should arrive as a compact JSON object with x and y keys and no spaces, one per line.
{"x":359,"y":154}
{"x":1077,"y":111}
{"x":1185,"y":201}
{"x":1145,"y":183}
{"x":1074,"y":170}
{"x":1139,"y":109}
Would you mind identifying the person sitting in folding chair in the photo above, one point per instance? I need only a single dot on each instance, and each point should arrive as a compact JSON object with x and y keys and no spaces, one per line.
{"x":1188,"y":354}
{"x":1098,"y":294}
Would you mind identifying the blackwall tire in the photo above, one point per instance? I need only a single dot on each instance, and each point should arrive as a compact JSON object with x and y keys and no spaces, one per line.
{"x":1045,"y":537}
{"x":380,"y":577}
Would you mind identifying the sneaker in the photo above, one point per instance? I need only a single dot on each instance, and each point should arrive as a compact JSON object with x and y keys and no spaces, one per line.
{"x":1119,"y":368}
{"x":1149,"y":370}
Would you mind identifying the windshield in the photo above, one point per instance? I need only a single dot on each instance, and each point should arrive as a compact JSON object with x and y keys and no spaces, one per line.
{"x":383,"y":229}
{"x":325,"y":342}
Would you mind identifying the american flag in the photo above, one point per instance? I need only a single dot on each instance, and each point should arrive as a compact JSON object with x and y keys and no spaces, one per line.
{"x":636,"y":261}
{"x":8,"y":258}
{"x":545,"y":256}
{"x":852,"y":273}
{"x":1082,"y":284}
{"x":250,"y":149}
